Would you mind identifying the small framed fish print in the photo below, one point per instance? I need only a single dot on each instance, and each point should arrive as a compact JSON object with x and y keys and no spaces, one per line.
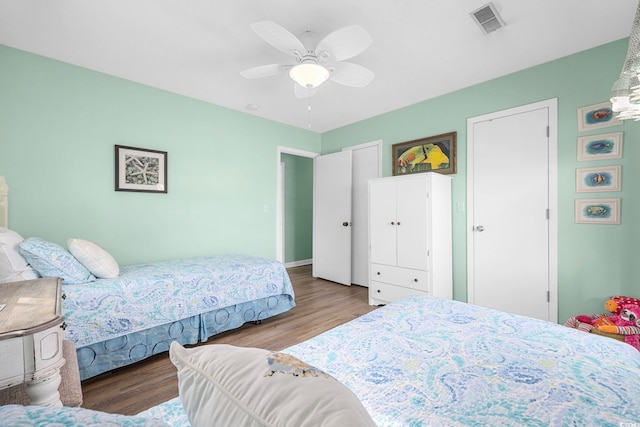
{"x":597,"y":211}
{"x":596,"y":116}
{"x":607,"y":178}
{"x":600,"y":147}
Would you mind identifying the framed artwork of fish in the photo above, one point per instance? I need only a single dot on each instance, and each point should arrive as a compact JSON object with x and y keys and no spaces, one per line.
{"x":600,"y":147}
{"x":606,"y":178}
{"x":597,"y":211}
{"x":596,"y":116}
{"x":432,"y":154}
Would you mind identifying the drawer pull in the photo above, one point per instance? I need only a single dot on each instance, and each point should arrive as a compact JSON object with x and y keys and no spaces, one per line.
{"x":415,"y":280}
{"x":378,"y":273}
{"x":379,"y":291}
{"x":63,"y":326}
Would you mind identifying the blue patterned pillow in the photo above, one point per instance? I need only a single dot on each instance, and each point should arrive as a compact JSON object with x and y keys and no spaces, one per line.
{"x":52,"y":260}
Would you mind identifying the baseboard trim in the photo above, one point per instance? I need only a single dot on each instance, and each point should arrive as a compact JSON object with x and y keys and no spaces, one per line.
{"x":298,"y":263}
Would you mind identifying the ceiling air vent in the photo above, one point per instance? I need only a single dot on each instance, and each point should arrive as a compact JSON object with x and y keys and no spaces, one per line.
{"x":487,"y":18}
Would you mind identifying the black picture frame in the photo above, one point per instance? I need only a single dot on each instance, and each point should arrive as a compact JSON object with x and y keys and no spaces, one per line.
{"x":140,"y":169}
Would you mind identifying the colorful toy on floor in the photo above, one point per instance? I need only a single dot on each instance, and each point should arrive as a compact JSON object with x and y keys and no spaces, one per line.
{"x":623,"y":323}
{"x":614,"y":304}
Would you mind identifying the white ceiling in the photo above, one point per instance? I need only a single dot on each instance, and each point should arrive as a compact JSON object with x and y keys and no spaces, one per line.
{"x":421,"y":48}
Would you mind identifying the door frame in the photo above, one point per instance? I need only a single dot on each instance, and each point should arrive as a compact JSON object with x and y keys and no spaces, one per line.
{"x":280,"y":195}
{"x":552,"y":106}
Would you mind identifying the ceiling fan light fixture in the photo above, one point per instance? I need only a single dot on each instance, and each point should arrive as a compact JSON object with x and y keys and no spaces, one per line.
{"x":309,"y":75}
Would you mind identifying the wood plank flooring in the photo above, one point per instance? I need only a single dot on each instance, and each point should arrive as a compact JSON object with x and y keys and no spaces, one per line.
{"x":320,"y":306}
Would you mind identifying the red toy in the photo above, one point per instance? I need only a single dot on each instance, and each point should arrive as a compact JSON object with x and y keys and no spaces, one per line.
{"x":627,"y":324}
{"x":624,"y":320}
{"x":614,"y":304}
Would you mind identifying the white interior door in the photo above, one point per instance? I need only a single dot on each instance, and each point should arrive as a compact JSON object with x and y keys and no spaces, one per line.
{"x":332,"y":217}
{"x":509,"y":211}
{"x":366,"y":164}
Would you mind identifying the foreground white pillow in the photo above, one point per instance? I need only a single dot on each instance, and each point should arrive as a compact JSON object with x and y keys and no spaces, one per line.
{"x":225,"y":385}
{"x":13,"y":266}
{"x":98,"y":261}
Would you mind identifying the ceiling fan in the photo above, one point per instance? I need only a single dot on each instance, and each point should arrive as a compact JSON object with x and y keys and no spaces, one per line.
{"x":310,"y":67}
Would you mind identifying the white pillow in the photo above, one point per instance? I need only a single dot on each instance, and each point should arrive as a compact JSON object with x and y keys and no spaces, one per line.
{"x":225,"y":385}
{"x":13,"y":266}
{"x":98,"y":261}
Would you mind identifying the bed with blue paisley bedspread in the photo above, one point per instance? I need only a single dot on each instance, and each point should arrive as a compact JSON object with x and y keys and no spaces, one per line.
{"x":426,"y":361}
{"x":116,"y":322}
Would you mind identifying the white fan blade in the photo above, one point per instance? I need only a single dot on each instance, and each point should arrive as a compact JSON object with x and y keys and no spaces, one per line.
{"x":262,"y":71}
{"x":304,"y":92}
{"x":344,"y":43}
{"x":349,"y":74}
{"x":279,"y":38}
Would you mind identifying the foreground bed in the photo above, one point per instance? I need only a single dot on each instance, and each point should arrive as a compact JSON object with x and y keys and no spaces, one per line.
{"x":425,"y":361}
{"x":431,"y":362}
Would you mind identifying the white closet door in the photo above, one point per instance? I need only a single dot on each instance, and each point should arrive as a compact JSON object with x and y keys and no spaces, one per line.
{"x":332,"y":217}
{"x":366,"y":165}
{"x":510,"y":196}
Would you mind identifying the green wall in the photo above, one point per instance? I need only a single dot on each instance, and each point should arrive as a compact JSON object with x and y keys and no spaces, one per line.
{"x":58,"y":127}
{"x":298,"y":212}
{"x":595,"y":261}
{"x":59,"y":123}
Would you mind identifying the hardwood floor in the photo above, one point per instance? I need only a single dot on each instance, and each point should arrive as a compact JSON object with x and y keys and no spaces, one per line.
{"x":320,"y":306}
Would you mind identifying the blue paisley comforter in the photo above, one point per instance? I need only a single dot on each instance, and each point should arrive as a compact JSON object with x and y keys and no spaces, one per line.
{"x":148,"y":295}
{"x":63,"y":416}
{"x":431,"y":362}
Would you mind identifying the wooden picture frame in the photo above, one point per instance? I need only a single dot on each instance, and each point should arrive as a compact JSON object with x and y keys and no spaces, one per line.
{"x":605,"y":178}
{"x":432,"y":154}
{"x":597,"y":211}
{"x":140,"y":169}
{"x":600,"y":147}
{"x":596,"y":116}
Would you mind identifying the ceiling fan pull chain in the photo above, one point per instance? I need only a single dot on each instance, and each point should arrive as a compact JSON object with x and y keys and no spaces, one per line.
{"x":309,"y":109}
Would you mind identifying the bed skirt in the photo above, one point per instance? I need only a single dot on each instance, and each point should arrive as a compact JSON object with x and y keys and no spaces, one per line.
{"x":117,"y":352}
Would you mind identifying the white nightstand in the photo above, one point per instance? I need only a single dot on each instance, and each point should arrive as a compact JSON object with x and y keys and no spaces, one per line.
{"x":31,"y":332}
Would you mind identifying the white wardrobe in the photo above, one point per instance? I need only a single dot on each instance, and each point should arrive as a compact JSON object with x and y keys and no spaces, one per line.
{"x":410,"y":237}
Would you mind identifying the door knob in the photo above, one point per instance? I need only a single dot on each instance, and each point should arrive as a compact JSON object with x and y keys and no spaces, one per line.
{"x":479,"y":228}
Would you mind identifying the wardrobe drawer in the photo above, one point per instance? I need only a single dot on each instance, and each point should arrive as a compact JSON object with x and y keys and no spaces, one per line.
{"x":406,"y":277}
{"x":382,"y":293}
